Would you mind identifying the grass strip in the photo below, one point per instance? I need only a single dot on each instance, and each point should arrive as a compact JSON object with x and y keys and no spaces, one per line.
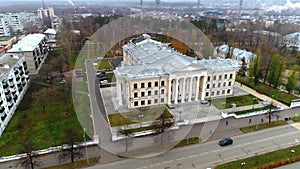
{"x":262,"y":126}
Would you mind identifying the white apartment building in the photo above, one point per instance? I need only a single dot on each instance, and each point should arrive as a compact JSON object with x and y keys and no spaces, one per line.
{"x":154,"y":74}
{"x":35,"y":49}
{"x":14,"y":81}
{"x":4,"y":26}
{"x":10,"y":23}
{"x":49,"y":12}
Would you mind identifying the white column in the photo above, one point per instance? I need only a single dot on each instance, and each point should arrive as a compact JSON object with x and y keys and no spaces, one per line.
{"x":169,"y":92}
{"x":119,"y":92}
{"x":190,"y":89}
{"x":197,"y":88}
{"x":203,"y":87}
{"x":183,"y":91}
{"x":176,"y":91}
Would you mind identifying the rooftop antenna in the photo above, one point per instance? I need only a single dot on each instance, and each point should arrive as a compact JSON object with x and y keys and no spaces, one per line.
{"x":141,"y":5}
{"x":240,"y":8}
{"x":43,"y":4}
{"x":157,"y":4}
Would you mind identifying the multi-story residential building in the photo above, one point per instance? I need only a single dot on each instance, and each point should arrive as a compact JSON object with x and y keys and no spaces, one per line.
{"x":48,"y":12}
{"x":51,"y":37}
{"x":10,"y":23}
{"x":35,"y":49}
{"x":154,"y":74}
{"x":14,"y":81}
{"x":4,"y":26}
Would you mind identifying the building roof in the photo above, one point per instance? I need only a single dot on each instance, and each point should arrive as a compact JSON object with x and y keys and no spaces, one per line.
{"x":155,"y":59}
{"x":51,"y":31}
{"x":295,"y":36}
{"x":28,"y":43}
{"x":237,"y":52}
{"x":7,"y":61}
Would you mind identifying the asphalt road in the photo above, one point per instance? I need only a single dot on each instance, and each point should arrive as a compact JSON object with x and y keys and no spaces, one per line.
{"x":209,"y":154}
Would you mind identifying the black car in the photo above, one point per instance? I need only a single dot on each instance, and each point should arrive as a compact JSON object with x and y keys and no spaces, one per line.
{"x":225,"y":141}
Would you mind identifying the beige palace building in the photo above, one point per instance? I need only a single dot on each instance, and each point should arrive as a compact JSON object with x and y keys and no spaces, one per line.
{"x":153,"y":73}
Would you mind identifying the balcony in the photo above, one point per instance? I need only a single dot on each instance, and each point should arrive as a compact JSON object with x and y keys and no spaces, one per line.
{"x":3,"y":117}
{"x":10,"y":80}
{"x":8,"y":99}
{"x":15,"y":98}
{"x":2,"y":109}
{"x":19,"y":84}
{"x":18,"y":78}
{"x":7,"y":92}
{"x":10,"y":106}
{"x":5,"y":86}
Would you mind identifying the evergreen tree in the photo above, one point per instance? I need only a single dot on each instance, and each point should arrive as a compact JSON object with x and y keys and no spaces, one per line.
{"x":242,"y":70}
{"x":292,"y":81}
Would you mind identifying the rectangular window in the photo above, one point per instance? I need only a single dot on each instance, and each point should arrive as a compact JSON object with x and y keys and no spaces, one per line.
{"x":223,"y":91}
{"x":162,"y":100}
{"x":142,"y":94}
{"x":162,"y":91}
{"x":225,"y":76}
{"x":156,"y":83}
{"x":212,"y":93}
{"x":220,"y":77}
{"x":149,"y":93}
{"x":162,"y":83}
{"x":228,"y":91}
{"x":136,"y":103}
{"x":149,"y":84}
{"x":218,"y":93}
{"x":155,"y":101}
{"x":229,"y":83}
{"x":219,"y":84}
{"x":135,"y":94}
{"x":156,"y":92}
{"x":207,"y":94}
{"x":142,"y":85}
{"x":149,"y":101}
{"x":214,"y":85}
{"x":135,"y":86}
{"x":208,"y":78}
{"x":215,"y":77}
{"x":207,"y":86}
{"x":143,"y":102}
{"x":224,"y":84}
{"x":230,"y":76}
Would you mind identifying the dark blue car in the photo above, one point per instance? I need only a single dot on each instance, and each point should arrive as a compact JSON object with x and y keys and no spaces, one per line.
{"x":225,"y":141}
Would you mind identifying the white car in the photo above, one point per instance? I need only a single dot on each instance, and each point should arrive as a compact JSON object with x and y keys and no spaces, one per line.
{"x":104,"y":82}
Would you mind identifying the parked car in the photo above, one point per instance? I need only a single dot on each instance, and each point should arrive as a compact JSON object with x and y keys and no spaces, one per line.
{"x":225,"y":141}
{"x":204,"y":101}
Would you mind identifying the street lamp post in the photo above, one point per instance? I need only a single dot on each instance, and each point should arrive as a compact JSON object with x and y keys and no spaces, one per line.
{"x":291,"y":154}
{"x":242,"y":164}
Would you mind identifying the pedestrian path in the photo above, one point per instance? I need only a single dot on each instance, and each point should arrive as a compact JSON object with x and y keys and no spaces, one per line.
{"x":260,"y":96}
{"x":296,"y":126}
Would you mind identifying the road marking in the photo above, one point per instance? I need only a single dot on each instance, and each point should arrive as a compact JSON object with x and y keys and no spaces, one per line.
{"x":182,"y":158}
{"x":193,"y":156}
{"x":296,"y":126}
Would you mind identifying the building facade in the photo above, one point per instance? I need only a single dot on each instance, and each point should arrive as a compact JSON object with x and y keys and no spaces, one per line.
{"x":154,"y":74}
{"x":10,"y":23}
{"x":4,"y":26}
{"x":14,"y":81}
{"x":35,"y":49}
{"x":48,"y":12}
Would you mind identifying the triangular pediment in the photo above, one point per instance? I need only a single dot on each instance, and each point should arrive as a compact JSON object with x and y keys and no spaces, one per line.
{"x":190,"y":68}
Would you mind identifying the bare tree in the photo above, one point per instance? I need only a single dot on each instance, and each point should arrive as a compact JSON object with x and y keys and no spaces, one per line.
{"x":71,"y":138}
{"x":31,"y":160}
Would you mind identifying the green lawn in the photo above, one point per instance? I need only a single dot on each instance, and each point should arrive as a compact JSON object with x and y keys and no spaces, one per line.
{"x":104,"y":64}
{"x":184,"y":142}
{"x":263,"y":126}
{"x":127,"y":118}
{"x":267,"y":90}
{"x":44,"y":129}
{"x":269,"y":160}
{"x":243,"y":100}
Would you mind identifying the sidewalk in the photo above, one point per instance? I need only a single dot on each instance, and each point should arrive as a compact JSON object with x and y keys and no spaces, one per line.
{"x":260,"y":96}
